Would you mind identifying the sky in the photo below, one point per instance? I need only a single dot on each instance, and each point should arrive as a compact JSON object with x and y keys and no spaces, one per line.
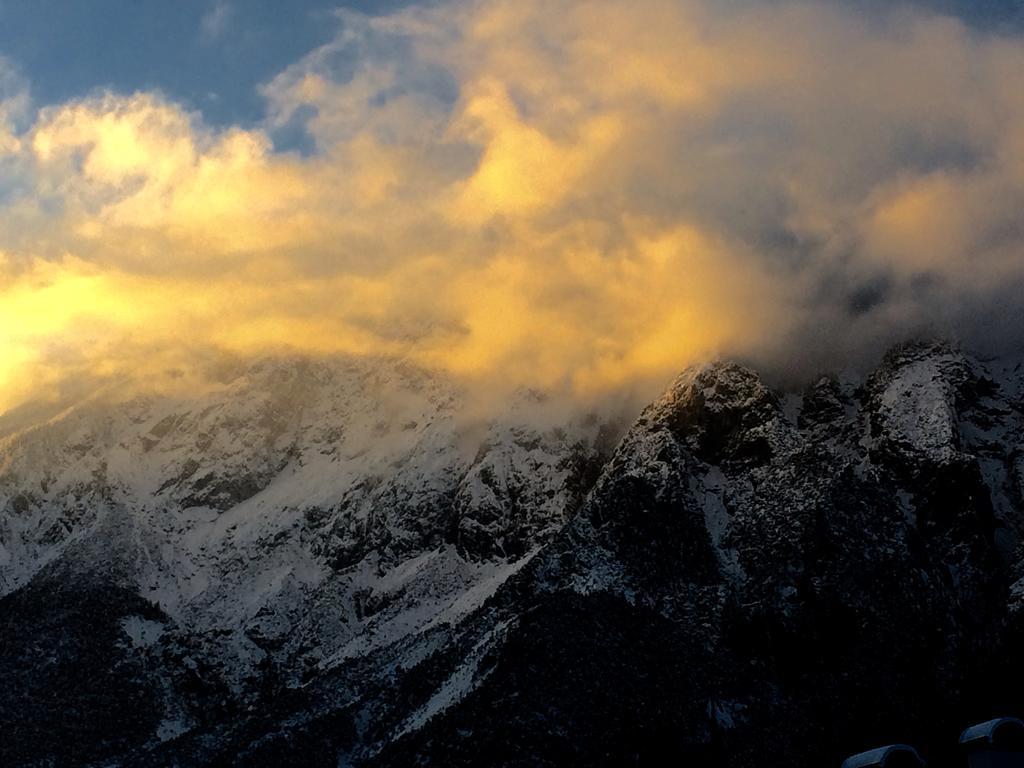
{"x":578,"y":195}
{"x":207,"y":55}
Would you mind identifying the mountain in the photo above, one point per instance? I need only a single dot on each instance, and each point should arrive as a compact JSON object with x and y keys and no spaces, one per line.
{"x":331,"y":563}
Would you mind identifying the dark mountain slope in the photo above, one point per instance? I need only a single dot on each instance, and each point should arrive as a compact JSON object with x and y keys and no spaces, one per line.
{"x":754,"y":579}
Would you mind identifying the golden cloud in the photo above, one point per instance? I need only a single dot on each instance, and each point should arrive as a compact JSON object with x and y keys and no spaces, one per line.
{"x":580,"y":196}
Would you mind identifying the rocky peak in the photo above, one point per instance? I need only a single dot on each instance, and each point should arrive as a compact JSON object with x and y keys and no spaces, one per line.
{"x":724,"y":413}
{"x":823,"y":404}
{"x":914,"y":398}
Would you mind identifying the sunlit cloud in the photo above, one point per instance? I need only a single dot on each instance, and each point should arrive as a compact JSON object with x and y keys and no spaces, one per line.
{"x":578,"y":196}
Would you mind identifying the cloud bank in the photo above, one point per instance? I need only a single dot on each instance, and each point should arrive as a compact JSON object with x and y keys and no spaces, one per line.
{"x":574,"y":196}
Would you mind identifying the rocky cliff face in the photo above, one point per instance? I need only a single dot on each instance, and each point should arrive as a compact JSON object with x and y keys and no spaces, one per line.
{"x":325,"y":564}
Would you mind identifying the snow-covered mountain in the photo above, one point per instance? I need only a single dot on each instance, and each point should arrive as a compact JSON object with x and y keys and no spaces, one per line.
{"x":332,"y":563}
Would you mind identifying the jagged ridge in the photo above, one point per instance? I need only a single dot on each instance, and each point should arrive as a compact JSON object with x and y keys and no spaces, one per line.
{"x":334,"y":567}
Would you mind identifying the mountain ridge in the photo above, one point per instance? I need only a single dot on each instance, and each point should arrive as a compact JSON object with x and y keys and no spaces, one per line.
{"x":545,"y":600}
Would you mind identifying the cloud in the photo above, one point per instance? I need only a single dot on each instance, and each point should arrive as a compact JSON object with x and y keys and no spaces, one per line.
{"x":577,"y":196}
{"x":215,"y":21}
{"x":14,"y":106}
